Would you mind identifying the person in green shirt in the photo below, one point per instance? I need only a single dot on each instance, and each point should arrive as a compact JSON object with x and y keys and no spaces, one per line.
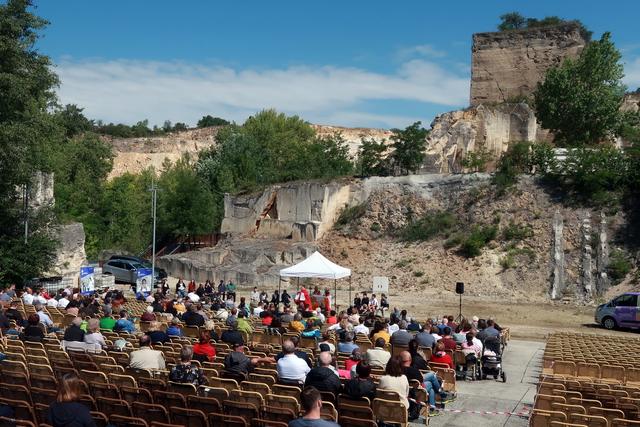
{"x":231,"y":290}
{"x":107,"y":322}
{"x":243,"y":324}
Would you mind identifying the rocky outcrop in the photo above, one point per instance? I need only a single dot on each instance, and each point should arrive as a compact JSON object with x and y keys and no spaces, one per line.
{"x":353,"y":136}
{"x":507,"y":65}
{"x":254,"y":262}
{"x":133,"y":155}
{"x":602,"y":258}
{"x":489,"y":128}
{"x":70,"y":255}
{"x":631,"y":102}
{"x":300,"y":211}
{"x":558,"y":281}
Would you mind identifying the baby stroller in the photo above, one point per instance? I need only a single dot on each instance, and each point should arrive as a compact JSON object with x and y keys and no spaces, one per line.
{"x":492,"y":359}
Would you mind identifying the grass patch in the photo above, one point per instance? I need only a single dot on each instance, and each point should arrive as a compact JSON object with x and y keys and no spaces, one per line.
{"x":454,"y":240}
{"x":375,"y":227}
{"x":515,"y":231}
{"x":429,"y":226}
{"x":403,"y":263}
{"x":418,"y":273}
{"x":479,"y":237}
{"x":350,"y":214}
{"x":619,"y":266}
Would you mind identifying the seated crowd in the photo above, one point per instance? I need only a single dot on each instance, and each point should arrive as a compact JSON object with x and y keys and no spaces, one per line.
{"x":396,"y":357}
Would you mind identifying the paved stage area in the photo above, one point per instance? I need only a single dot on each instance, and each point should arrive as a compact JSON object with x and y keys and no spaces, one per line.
{"x":522,"y":364}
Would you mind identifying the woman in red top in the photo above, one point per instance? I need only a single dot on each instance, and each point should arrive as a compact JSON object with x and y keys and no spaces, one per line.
{"x":204,"y":347}
{"x":332,"y":319}
{"x":267,"y":318}
{"x":352,"y":361}
{"x":440,"y":356}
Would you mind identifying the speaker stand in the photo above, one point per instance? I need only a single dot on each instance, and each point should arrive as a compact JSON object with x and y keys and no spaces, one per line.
{"x":459,"y":318}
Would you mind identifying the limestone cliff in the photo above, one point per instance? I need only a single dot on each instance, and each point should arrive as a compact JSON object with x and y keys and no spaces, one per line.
{"x":507,"y":65}
{"x":133,"y":155}
{"x":491,"y":128}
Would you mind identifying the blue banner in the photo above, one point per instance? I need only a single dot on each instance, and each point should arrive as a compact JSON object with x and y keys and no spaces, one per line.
{"x":87,"y":280}
{"x":145,"y":280}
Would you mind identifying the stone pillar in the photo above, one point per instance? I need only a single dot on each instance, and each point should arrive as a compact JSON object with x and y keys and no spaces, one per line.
{"x":557,"y":283}
{"x":602,"y":258}
{"x":586,"y":273}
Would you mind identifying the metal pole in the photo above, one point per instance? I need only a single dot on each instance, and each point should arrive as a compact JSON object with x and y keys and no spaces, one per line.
{"x":349,"y":302}
{"x":154,"y":193}
{"x":335,"y":292}
{"x":279,"y":282}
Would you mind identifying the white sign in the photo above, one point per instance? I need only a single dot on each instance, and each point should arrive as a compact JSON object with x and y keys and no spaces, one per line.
{"x":380,"y":285}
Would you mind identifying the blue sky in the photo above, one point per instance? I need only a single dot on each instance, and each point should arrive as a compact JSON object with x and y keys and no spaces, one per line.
{"x":351,"y":63}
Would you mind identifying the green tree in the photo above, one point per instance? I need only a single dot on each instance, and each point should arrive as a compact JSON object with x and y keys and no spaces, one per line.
{"x":27,"y":135}
{"x":371,"y":158}
{"x":180,"y":127}
{"x":73,"y":120}
{"x":580,"y":100}
{"x":408,"y":147}
{"x":512,"y":21}
{"x":186,"y":205}
{"x":208,"y":120}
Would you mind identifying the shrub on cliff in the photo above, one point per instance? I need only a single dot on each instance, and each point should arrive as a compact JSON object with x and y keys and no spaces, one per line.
{"x":580,"y":100}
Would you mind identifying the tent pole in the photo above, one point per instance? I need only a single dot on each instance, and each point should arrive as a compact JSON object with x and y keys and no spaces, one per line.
{"x":335,"y":293}
{"x":279,"y":282}
{"x":349,"y":304}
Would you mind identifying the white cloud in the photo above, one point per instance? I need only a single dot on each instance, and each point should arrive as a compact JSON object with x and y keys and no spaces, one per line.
{"x":127,"y":91}
{"x":423,"y":50}
{"x":632,"y":73}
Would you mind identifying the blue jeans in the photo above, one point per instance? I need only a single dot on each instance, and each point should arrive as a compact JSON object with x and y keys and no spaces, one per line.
{"x":431,"y":385}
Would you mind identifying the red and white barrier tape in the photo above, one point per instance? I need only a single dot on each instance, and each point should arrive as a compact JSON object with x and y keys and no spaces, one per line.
{"x":524,"y":412}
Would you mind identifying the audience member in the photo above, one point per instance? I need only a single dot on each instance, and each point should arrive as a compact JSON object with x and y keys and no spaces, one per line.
{"x":361,"y":385}
{"x":291,"y":369}
{"x":33,"y":332}
{"x":73,"y":331}
{"x":347,"y":345}
{"x":440,"y":356}
{"x":123,"y":324}
{"x":66,"y":410}
{"x":401,"y":337}
{"x":146,"y":357}
{"x":156,"y":333}
{"x":204,"y":348}
{"x":312,"y":405}
{"x":378,"y":357}
{"x":395,"y":380}
{"x":323,"y":377}
{"x":93,"y":335}
{"x":232,"y":335}
{"x":238,"y":363}
{"x":185,"y":371}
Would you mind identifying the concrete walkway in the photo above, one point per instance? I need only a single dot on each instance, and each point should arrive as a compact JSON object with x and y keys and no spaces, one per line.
{"x":522,"y":364}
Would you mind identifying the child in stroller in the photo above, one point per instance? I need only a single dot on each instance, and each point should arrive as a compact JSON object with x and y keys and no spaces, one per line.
{"x":492,"y":359}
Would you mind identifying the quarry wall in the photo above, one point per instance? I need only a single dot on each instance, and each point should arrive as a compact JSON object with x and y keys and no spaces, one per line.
{"x":507,"y":65}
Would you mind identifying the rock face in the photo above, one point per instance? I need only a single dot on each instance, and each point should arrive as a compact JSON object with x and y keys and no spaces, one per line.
{"x":507,"y":65}
{"x":491,"y":128}
{"x":558,"y":283}
{"x":298,"y":211}
{"x":70,"y":255}
{"x":133,"y":155}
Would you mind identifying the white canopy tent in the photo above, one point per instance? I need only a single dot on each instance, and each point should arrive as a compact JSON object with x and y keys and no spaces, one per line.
{"x":316,"y":266}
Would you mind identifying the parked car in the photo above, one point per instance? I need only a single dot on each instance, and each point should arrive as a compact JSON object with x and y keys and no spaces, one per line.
{"x":123,"y":270}
{"x":621,"y":312}
{"x":160,"y":273}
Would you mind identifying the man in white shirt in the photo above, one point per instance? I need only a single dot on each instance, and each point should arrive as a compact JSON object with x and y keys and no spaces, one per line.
{"x":290,"y":367}
{"x":63,"y":302}
{"x":27,"y":297}
{"x":361,"y":329}
{"x":393,"y":327}
{"x":320,"y":316}
{"x":193,"y":297}
{"x":44,"y":317}
{"x":255,"y":297}
{"x":37,"y":298}
{"x":146,"y":357}
{"x":52,"y":302}
{"x":259,"y":309}
{"x":378,"y":356}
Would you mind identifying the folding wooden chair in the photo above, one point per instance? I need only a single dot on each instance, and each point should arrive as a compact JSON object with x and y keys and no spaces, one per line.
{"x":122,"y":421}
{"x":188,"y":417}
{"x":135,"y":394}
{"x":22,"y":410}
{"x":223,"y":420}
{"x":388,"y":411}
{"x":346,"y":421}
{"x":287,"y":402}
{"x":204,"y":404}
{"x":150,"y":412}
{"x":169,"y":399}
{"x":113,"y":406}
{"x":590,"y":420}
{"x":620,"y":422}
{"x":275,"y":413}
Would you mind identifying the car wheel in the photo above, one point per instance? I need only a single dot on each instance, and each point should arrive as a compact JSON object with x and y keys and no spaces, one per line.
{"x":609,"y":323}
